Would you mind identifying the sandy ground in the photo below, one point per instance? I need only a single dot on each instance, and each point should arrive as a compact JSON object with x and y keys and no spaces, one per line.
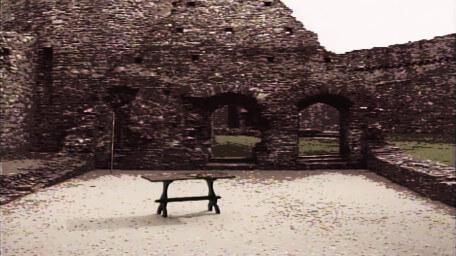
{"x":263,"y":213}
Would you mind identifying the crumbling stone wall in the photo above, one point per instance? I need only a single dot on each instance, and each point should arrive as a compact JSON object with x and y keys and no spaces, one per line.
{"x":81,"y":37}
{"x":17,"y":75}
{"x":413,"y":84}
{"x":157,"y":70}
{"x":200,"y":55}
{"x":431,"y":179}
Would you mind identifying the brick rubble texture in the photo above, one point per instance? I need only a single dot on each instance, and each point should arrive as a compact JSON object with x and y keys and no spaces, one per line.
{"x":161,"y":68}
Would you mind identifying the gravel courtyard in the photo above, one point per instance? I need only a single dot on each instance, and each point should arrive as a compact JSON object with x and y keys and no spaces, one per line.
{"x":263,"y":213}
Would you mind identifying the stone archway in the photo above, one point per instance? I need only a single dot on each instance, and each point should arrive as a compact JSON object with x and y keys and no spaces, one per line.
{"x":248,"y":108}
{"x":340,"y":104}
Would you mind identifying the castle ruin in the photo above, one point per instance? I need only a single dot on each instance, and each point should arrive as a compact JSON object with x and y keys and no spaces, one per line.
{"x":150,"y":74}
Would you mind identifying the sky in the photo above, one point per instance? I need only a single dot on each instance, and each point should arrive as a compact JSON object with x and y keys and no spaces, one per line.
{"x":346,"y":25}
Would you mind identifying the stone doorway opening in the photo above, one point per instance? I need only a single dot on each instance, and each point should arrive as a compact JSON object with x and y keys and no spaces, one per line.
{"x":234,"y":128}
{"x":323,"y":123}
{"x":233,"y":135}
{"x":319,"y":130}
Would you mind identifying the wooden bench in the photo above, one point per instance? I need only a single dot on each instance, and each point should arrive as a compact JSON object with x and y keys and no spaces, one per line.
{"x":168,"y":178}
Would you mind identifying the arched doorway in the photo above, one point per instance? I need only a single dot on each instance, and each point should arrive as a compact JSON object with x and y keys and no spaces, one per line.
{"x":233,"y":127}
{"x":323,"y":128}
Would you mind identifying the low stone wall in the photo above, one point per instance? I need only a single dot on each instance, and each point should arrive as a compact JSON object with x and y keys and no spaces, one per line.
{"x":57,"y":169}
{"x":428,"y":178}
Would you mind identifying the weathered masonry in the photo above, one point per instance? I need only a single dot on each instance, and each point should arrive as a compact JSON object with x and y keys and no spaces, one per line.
{"x":154,"y":72}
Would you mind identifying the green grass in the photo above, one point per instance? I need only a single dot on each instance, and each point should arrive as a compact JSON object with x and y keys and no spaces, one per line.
{"x":430,"y":138}
{"x":234,"y":146}
{"x":313,"y":146}
{"x":421,"y":147}
{"x":425,"y":148}
{"x":241,"y":146}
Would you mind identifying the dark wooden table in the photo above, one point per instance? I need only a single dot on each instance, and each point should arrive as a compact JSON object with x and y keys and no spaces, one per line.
{"x":168,"y":178}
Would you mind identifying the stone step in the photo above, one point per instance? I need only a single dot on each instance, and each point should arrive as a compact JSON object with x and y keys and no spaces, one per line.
{"x":231,"y":160}
{"x":230,"y":166}
{"x":327,"y":165}
{"x":320,"y":156}
{"x":318,"y":160}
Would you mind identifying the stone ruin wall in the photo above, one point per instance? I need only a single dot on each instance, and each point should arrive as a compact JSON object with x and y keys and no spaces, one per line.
{"x":413,"y":83}
{"x":82,"y":38}
{"x":171,"y":82}
{"x":17,"y":76}
{"x":150,"y":48}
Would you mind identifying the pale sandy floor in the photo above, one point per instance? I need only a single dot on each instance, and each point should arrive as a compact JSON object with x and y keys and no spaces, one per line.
{"x":263,"y":213}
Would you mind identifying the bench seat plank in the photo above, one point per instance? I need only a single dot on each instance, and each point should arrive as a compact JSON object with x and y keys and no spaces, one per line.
{"x":186,"y":176}
{"x":183,"y":199}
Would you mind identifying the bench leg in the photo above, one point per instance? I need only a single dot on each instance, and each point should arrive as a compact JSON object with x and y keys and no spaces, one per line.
{"x":164,"y":197}
{"x":212,"y":196}
{"x":209,"y":206}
